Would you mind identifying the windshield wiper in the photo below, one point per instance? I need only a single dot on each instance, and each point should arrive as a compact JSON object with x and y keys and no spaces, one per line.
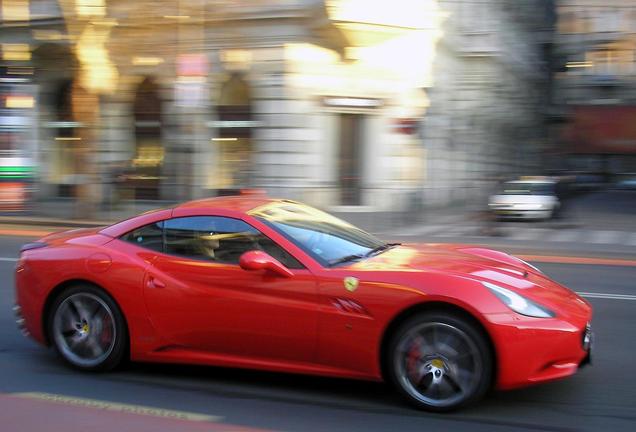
{"x":346,"y":259}
{"x":354,"y":257}
{"x":381,"y":248}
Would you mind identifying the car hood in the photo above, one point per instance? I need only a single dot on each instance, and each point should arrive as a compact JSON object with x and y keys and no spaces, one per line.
{"x":479,"y":264}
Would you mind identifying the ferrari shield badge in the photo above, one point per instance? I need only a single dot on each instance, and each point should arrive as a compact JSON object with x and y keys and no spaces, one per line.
{"x":351,"y":283}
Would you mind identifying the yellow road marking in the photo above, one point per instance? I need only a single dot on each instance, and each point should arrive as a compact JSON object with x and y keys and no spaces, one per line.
{"x":24,"y":232}
{"x":119,"y":407}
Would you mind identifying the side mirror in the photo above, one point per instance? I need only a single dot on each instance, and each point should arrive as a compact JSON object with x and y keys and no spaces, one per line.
{"x":259,"y":260}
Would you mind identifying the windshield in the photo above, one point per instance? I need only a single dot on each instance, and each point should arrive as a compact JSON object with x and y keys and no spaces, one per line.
{"x":524,"y":188}
{"x":326,"y":238}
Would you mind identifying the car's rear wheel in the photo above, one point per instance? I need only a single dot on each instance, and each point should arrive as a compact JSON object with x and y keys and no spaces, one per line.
{"x":87,"y":329}
{"x":439,"y":361}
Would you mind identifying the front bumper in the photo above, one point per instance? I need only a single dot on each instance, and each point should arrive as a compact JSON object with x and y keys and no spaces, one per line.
{"x":540,"y":350}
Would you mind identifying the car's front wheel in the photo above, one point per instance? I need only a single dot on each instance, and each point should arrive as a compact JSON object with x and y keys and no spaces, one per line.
{"x":87,"y":328}
{"x":439,"y":361}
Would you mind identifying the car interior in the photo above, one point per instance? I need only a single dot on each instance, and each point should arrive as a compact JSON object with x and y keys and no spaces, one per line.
{"x":221,"y":247}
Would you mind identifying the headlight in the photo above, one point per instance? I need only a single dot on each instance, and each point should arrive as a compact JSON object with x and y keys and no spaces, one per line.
{"x":518,"y":303}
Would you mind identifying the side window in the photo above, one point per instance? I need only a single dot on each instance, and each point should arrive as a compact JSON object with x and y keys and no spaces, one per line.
{"x":219,"y":239}
{"x":148,"y":236}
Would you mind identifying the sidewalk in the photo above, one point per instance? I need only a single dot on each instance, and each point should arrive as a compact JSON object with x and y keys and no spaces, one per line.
{"x":528,"y":240}
{"x":449,"y":225}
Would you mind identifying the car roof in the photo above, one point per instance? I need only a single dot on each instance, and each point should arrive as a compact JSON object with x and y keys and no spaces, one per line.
{"x":239,"y":203}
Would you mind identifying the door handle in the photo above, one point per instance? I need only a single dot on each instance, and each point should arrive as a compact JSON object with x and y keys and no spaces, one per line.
{"x":155,"y":283}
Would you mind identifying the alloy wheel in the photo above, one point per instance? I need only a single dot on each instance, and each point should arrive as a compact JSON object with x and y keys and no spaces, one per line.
{"x":84,"y":329}
{"x":438,"y":365}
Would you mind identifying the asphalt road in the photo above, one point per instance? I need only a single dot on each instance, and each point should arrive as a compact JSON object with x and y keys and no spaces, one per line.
{"x":600,"y":397}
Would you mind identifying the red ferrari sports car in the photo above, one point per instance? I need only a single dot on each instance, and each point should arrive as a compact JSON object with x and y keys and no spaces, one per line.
{"x":253,"y":282}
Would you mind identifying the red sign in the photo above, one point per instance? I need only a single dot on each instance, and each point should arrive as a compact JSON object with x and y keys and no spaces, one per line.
{"x":602,"y":130}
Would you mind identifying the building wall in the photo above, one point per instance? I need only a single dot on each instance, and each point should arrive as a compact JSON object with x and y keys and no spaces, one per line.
{"x":290,"y":66}
{"x":474,"y":85}
{"x":595,"y":50}
{"x":596,"y":45}
{"x":486,"y":120}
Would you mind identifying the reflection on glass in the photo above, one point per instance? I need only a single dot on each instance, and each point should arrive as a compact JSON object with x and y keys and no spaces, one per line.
{"x":326,"y":238}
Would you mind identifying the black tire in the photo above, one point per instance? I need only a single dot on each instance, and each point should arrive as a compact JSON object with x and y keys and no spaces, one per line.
{"x":427,"y":373}
{"x":82,"y":320}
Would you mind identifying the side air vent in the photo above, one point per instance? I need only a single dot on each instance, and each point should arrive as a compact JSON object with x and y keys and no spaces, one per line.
{"x":349,"y":306}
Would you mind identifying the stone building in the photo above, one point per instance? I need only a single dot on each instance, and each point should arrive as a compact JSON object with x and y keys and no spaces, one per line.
{"x":487,"y":117}
{"x":195,"y":98}
{"x":317,"y":100}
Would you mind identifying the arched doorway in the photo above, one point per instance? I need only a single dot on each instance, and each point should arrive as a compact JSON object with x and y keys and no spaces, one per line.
{"x":149,"y":152}
{"x":234,"y":137}
{"x":75,"y":112}
{"x":61,"y":132}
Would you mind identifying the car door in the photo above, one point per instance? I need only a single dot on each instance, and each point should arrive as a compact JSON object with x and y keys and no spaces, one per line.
{"x":199,"y":298}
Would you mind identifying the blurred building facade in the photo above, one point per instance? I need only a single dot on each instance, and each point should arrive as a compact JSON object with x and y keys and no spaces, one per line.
{"x":595,"y":87}
{"x":320,"y":101}
{"x":487,"y":119}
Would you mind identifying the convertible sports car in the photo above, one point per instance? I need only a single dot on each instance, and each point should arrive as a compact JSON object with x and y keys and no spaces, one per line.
{"x":253,"y":282}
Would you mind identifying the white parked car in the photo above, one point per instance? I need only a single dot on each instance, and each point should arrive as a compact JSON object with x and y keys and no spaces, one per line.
{"x":526,"y":199}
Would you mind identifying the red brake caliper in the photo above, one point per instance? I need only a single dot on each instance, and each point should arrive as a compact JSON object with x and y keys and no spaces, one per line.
{"x":413,"y":359}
